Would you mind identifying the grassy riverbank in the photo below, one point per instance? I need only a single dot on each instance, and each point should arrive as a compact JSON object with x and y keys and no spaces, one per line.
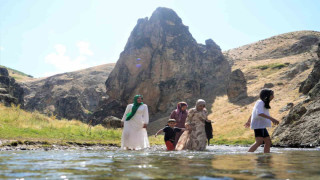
{"x":22,"y":126}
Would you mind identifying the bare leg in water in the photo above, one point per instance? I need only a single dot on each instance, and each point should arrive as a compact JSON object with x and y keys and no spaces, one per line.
{"x":267,"y":144}
{"x":259,"y":141}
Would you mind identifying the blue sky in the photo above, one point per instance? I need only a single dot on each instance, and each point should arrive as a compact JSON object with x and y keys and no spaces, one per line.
{"x":45,"y":37}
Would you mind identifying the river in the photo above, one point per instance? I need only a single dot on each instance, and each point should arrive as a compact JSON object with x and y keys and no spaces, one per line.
{"x":218,"y":162}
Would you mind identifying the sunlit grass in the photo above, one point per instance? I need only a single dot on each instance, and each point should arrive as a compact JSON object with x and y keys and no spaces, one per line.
{"x":17,"y":124}
{"x":271,"y":66}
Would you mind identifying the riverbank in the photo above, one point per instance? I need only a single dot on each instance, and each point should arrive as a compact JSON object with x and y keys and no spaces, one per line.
{"x":21,"y":127}
{"x":34,"y":130}
{"x":17,"y":145}
{"x":14,"y":145}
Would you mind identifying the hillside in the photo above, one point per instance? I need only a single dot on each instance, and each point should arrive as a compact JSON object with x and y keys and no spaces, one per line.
{"x":281,"y":63}
{"x":277,"y":63}
{"x":273,"y":63}
{"x":18,"y":75}
{"x":72,"y":95}
{"x":275,"y":47}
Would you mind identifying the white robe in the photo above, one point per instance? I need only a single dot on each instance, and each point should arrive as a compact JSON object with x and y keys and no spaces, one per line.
{"x":134,"y":136}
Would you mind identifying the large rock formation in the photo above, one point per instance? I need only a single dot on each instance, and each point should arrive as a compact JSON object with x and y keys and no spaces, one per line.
{"x":10,"y":91}
{"x":73,"y":95}
{"x":237,"y":86}
{"x":164,"y":63}
{"x":301,"y":126}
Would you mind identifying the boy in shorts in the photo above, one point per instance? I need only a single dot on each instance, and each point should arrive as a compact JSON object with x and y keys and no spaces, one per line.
{"x":170,"y":133}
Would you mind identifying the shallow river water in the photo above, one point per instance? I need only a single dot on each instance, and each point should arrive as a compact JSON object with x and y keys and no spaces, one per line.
{"x":218,"y":162}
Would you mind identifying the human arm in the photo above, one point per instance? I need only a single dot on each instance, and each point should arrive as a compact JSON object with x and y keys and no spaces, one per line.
{"x":261,"y":112}
{"x":189,"y":119}
{"x":128,"y":109}
{"x":160,"y":131}
{"x":273,"y":120}
{"x":247,"y":124}
{"x":145,"y":116}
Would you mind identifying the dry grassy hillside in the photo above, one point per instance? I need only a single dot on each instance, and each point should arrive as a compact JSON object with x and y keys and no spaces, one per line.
{"x":285,"y":73}
{"x":18,"y":75}
{"x":282,"y":45}
{"x":284,"y":60}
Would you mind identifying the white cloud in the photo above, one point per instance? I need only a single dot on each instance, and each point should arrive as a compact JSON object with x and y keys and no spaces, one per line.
{"x":84,"y":48}
{"x":64,"y":63}
{"x":1,"y":48}
{"x":61,"y":49}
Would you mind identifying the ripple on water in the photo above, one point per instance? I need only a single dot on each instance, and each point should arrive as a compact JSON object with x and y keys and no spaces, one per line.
{"x":218,"y":162}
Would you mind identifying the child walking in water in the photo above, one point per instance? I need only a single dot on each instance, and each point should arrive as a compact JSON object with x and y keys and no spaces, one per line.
{"x":260,"y":119}
{"x":170,"y":132}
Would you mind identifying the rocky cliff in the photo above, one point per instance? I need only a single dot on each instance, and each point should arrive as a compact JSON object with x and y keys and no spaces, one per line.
{"x":73,"y":95}
{"x":268,"y":63}
{"x":10,"y":91}
{"x":237,"y":86}
{"x":164,"y":63}
{"x":301,"y":126}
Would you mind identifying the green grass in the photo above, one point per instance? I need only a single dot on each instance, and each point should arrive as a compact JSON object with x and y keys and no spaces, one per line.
{"x":20,"y":125}
{"x":269,"y":69}
{"x":223,"y":141}
{"x":16,"y":71}
{"x":271,"y":66}
{"x":32,"y":127}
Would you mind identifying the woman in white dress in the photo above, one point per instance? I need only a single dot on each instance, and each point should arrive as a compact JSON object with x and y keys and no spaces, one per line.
{"x":135,"y":121}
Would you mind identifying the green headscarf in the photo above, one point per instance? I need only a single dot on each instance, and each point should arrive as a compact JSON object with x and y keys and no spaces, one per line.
{"x":134,"y":107}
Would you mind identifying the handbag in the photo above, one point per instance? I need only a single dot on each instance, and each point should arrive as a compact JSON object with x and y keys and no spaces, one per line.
{"x":208,"y":128}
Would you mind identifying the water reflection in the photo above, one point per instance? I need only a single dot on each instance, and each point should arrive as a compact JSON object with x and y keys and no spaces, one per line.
{"x":218,"y":162}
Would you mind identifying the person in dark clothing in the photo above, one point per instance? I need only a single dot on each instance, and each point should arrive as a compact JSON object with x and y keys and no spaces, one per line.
{"x":180,"y":115}
{"x":170,"y":132}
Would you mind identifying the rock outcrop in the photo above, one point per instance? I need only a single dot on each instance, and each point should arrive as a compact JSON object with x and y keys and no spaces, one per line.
{"x":312,"y":79}
{"x":10,"y":91}
{"x":297,"y":69}
{"x":73,"y":95}
{"x":237,"y":86}
{"x":164,"y":63}
{"x":301,"y":126}
{"x":111,"y":122}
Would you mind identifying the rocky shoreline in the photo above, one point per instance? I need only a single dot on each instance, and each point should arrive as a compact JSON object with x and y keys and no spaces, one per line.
{"x":14,"y":145}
